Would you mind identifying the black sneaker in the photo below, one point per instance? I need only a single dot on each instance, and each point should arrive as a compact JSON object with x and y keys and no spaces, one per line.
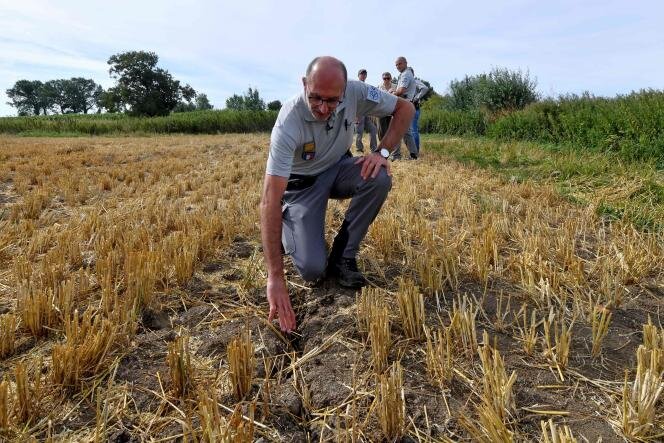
{"x":347,"y":273}
{"x":413,"y":156}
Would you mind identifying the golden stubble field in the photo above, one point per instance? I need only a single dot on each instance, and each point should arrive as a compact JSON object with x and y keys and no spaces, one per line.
{"x":132,"y":307}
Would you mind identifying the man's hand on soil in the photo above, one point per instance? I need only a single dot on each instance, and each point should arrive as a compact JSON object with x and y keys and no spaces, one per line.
{"x":371,"y":164}
{"x":280,"y":305}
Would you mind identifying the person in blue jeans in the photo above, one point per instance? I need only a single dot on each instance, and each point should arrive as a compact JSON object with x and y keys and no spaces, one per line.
{"x":415,"y":128}
{"x":421,"y":90}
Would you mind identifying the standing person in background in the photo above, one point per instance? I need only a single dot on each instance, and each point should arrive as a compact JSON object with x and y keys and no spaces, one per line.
{"x":406,"y":89}
{"x":420,"y":91}
{"x":365,"y":122}
{"x":384,"y":122}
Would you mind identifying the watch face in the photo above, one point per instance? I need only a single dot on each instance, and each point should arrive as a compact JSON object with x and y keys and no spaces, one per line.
{"x":384,"y":153}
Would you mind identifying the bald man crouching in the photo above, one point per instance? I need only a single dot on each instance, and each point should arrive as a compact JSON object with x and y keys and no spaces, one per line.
{"x":309,"y":162}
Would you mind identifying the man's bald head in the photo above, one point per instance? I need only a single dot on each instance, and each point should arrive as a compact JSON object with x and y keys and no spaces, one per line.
{"x":401,"y":64}
{"x":327,"y":65}
{"x":324,"y":85}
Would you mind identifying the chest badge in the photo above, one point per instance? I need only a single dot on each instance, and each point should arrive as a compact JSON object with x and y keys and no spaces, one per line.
{"x":309,"y":151}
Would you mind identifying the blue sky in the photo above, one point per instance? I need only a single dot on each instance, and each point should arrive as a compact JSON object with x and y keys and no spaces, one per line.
{"x":222,"y":48}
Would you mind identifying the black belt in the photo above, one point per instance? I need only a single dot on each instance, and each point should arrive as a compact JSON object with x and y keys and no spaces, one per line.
{"x":297,"y":182}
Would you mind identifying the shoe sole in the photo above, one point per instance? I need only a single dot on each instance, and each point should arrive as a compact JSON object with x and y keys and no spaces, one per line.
{"x":352,"y":285}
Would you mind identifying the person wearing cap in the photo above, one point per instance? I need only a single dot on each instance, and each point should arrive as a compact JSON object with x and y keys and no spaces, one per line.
{"x":365,"y":122}
{"x":406,"y":89}
{"x":309,"y":162}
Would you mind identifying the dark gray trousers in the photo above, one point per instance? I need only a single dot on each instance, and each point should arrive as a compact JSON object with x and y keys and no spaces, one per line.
{"x":303,"y":214}
{"x":410,"y":144}
{"x":366,"y":123}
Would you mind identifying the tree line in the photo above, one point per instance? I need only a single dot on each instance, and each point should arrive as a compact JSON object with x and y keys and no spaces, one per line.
{"x":141,"y":89}
{"x":251,"y":101}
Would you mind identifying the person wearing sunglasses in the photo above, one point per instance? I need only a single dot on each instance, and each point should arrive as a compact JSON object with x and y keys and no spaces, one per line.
{"x":384,"y":122}
{"x":309,"y":162}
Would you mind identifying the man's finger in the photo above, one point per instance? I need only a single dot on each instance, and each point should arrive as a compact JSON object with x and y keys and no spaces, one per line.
{"x":292,"y":322}
{"x":284,"y":318}
{"x":363,"y":171}
{"x":376,"y":170}
{"x":270,"y":317}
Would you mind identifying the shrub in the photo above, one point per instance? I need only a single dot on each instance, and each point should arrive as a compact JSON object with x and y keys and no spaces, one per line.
{"x":453,"y":122}
{"x":498,"y":91}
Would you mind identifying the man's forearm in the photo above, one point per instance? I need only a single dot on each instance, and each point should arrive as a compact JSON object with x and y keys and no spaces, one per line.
{"x":399,"y":92}
{"x":401,"y":120}
{"x":271,"y":236}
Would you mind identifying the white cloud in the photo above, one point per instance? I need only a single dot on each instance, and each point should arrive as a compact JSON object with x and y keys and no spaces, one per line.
{"x":224,"y":47}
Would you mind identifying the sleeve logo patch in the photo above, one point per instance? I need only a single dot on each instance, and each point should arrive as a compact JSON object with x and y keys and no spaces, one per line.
{"x":373,"y":94}
{"x":309,"y":151}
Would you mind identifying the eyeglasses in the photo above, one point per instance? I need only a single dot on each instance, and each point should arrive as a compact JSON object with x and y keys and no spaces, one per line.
{"x":387,"y":78}
{"x":317,"y":100}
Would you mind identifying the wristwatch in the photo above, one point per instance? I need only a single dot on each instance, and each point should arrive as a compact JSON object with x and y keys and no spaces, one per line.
{"x":383,"y":152}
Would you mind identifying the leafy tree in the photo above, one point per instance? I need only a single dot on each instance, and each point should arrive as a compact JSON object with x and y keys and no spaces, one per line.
{"x":437,"y":101}
{"x":144,"y":88}
{"x":202,"y":102}
{"x":184,"y":107}
{"x":429,"y":93}
{"x":250,"y":101}
{"x":97,"y":95}
{"x":253,"y":102}
{"x":274,"y":105}
{"x":110,"y":100}
{"x":463,"y":93}
{"x":82,"y":94}
{"x":28,"y":97}
{"x":499,"y":90}
{"x":235,"y":102}
{"x":75,"y":95}
{"x":505,"y":90}
{"x":58,"y":95}
{"x":52,"y":92}
{"x":188,"y":93}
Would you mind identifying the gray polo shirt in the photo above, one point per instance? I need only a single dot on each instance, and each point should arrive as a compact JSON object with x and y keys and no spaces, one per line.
{"x":407,"y":80}
{"x":302,"y":145}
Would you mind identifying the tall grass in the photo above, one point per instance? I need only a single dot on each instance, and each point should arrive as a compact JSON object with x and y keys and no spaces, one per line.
{"x":199,"y":122}
{"x":631,"y":126}
{"x":442,"y":121}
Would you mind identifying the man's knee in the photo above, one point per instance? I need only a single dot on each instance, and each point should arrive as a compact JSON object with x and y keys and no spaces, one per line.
{"x":312,"y":270}
{"x":382,"y":183}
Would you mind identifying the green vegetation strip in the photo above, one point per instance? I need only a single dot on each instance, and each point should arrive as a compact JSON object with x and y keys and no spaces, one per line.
{"x":630,"y":126}
{"x":629,"y":190}
{"x":198,"y":122}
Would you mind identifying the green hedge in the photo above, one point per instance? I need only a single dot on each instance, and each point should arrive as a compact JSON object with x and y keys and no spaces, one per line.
{"x":631,"y":125}
{"x":452,"y":122}
{"x":200,"y":122}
